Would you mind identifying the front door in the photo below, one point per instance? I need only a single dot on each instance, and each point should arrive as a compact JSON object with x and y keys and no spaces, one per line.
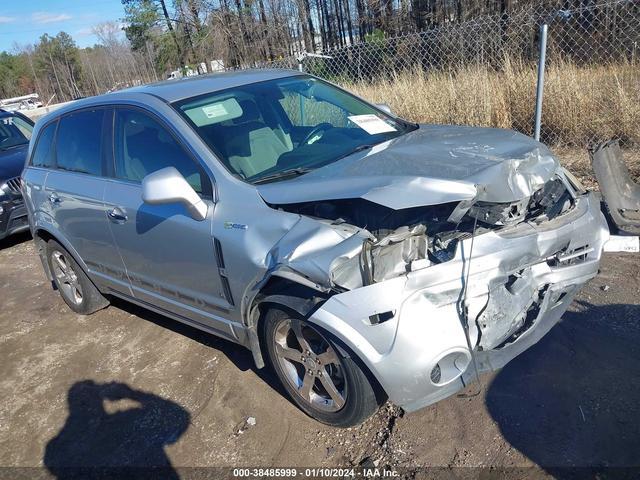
{"x":169,"y":257}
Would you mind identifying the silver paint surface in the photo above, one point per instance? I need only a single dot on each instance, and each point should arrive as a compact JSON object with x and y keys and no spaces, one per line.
{"x":432,"y":165}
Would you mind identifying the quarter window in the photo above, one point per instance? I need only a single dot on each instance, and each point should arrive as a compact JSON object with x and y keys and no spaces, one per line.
{"x":43,"y":152}
{"x":78,"y":146}
{"x":143,"y":146}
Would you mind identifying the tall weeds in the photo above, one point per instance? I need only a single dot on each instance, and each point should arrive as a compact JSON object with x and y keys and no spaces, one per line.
{"x":581,"y":104}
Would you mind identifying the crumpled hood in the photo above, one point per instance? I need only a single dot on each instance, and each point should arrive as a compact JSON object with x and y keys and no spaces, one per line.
{"x":432,"y":165}
{"x":12,"y":162}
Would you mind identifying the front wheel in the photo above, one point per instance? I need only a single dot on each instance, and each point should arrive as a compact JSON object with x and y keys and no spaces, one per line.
{"x":325,"y":384}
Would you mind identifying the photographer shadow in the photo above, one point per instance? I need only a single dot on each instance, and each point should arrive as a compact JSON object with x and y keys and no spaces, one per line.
{"x":114,"y":431}
{"x":570,"y":403}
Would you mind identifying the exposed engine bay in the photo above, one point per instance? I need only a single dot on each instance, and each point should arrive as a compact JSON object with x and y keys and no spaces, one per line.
{"x":399,"y":241}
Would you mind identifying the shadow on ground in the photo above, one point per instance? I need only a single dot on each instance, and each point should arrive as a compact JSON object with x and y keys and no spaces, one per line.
{"x":240,"y":356}
{"x":573,"y":400}
{"x":113,"y":429}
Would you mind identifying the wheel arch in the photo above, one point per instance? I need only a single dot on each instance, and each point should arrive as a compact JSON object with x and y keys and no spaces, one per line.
{"x":42,"y":236}
{"x":302,"y":300}
{"x":284,"y":293}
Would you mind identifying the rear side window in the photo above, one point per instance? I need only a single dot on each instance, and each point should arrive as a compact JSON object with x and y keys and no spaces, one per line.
{"x":43,"y":153}
{"x":143,"y":146}
{"x":78,"y":145}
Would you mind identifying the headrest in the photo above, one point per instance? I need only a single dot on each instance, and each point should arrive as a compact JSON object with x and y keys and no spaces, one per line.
{"x":136,"y":123}
{"x":139,"y":123}
{"x":250,"y":112}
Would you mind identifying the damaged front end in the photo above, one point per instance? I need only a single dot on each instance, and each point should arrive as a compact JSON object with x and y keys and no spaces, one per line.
{"x":405,"y":292}
{"x":357,"y":242}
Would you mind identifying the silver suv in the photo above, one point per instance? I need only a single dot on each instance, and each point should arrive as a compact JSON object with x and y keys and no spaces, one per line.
{"x":362,"y":256}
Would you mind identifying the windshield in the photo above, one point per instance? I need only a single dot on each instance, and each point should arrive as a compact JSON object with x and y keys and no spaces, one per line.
{"x":14,"y":131}
{"x":272,"y":130}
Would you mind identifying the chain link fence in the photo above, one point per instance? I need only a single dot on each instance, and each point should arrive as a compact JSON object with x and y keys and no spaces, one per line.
{"x":483,"y":72}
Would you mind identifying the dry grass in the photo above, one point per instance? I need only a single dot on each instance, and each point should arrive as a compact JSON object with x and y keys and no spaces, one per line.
{"x":580,"y":103}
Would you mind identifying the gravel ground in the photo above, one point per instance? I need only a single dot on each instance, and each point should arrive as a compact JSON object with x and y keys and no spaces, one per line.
{"x":129,"y":387}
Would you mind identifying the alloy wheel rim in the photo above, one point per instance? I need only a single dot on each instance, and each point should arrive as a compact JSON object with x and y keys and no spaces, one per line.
{"x":66,"y":278}
{"x":310,"y":365}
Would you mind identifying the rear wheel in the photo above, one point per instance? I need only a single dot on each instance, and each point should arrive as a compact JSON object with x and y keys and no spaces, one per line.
{"x":325,"y":384}
{"x":75,"y":288}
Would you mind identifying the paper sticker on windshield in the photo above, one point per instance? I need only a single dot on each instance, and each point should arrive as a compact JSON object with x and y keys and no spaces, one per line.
{"x":215,"y":110}
{"x":371,"y":124}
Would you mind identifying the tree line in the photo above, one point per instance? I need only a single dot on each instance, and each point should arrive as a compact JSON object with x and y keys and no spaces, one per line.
{"x":56,"y":69}
{"x":156,"y":37}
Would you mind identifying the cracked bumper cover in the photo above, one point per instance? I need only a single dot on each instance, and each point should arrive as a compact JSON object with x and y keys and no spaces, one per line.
{"x":425,"y":329}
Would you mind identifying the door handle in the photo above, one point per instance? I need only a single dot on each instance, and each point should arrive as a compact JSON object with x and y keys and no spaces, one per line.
{"x":117,"y":215}
{"x":54,"y":198}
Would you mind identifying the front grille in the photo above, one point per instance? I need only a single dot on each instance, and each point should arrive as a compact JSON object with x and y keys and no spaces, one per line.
{"x":566,"y":257}
{"x":14,"y":185}
{"x":18,"y":222}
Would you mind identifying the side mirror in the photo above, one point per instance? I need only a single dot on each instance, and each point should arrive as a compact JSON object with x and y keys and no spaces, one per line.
{"x":384,"y":107}
{"x":169,"y":186}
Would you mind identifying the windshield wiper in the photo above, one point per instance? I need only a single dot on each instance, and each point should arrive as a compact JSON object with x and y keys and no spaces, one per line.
{"x":359,"y":148}
{"x":291,"y":172}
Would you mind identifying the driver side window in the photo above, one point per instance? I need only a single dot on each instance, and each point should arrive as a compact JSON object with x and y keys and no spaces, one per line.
{"x":143,"y":146}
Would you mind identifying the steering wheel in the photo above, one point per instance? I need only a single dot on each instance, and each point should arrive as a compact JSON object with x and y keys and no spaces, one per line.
{"x":321,"y":127}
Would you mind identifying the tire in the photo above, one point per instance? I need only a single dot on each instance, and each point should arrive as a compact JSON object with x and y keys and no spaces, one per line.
{"x":75,"y":288}
{"x":307,"y":369}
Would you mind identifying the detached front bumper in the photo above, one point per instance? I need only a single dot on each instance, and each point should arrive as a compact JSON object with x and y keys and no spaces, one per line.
{"x":522,"y":279}
{"x":13,"y":216}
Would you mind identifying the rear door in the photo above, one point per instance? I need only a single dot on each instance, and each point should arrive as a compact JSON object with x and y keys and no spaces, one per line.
{"x":170,"y":257}
{"x":74,"y":190}
{"x":34,"y":176}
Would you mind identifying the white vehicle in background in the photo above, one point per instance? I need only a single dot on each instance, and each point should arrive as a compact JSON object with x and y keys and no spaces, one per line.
{"x":26,"y":102}
{"x":217,"y":66}
{"x":181,"y":73}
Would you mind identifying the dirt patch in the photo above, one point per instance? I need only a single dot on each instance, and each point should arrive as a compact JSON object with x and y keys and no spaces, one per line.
{"x":128,"y":387}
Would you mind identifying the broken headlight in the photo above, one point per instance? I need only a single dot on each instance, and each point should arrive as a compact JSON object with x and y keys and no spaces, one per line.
{"x":546,"y":203}
{"x":500,"y":213}
{"x":551,"y":200}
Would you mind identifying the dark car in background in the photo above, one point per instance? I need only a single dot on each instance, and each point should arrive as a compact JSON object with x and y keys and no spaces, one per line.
{"x":15,"y":133}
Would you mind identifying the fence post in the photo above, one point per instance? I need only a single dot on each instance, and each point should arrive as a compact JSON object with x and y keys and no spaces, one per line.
{"x":540,"y":87}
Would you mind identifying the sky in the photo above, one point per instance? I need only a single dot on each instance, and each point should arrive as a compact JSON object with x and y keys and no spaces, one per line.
{"x":24,"y":21}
